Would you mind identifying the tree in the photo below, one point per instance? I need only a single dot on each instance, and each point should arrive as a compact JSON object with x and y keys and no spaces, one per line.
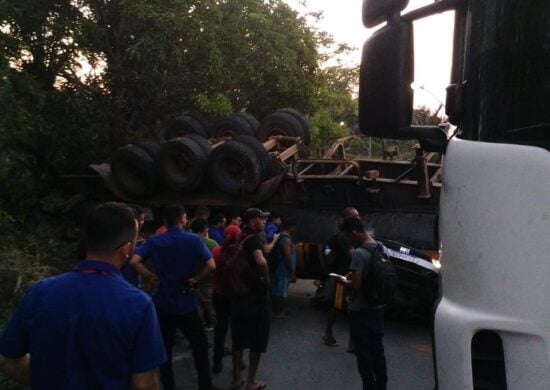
{"x":424,"y":116}
{"x":270,"y":56}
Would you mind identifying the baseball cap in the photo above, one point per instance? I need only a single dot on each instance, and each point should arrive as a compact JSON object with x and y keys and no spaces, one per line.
{"x":231,"y":232}
{"x":253,"y":213}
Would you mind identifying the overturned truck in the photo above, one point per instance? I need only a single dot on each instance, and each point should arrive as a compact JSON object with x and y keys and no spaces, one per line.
{"x":238,"y":162}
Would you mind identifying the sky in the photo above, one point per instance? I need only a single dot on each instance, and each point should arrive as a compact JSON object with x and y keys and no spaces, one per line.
{"x":433,"y":42}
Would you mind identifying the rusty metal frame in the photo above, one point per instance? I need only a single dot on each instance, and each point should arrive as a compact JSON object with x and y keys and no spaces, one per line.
{"x":341,"y":169}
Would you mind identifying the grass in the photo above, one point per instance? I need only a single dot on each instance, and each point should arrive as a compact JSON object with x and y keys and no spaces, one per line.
{"x":28,"y":253}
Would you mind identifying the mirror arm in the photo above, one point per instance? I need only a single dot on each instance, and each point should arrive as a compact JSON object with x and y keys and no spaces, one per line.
{"x":431,"y":138}
{"x":432,"y":9}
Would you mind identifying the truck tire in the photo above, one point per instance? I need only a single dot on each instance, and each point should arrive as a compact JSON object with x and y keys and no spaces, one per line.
{"x":182,"y":126}
{"x":280,"y":123}
{"x":134,"y":171}
{"x":201,"y":118}
{"x":252,"y":121}
{"x":234,"y":168}
{"x":231,"y":127}
{"x":202,"y":142}
{"x":303,"y":121}
{"x":150,"y":146}
{"x":182,"y":164}
{"x":264,"y":159}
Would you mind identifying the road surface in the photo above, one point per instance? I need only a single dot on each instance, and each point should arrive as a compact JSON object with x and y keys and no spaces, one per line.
{"x":297,"y":358}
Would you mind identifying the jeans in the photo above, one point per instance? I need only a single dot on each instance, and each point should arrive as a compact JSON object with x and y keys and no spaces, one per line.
{"x":366,"y":331}
{"x":191,"y":326}
{"x":222,"y":305}
{"x":206,"y":308}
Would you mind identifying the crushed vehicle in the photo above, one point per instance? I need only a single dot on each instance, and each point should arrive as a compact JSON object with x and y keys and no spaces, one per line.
{"x":239,"y":162}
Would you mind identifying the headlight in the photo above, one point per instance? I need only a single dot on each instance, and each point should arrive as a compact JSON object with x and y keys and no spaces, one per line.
{"x":436,"y":263}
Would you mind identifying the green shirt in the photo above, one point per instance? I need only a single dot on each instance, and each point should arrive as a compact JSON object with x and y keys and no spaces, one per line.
{"x":210,"y":243}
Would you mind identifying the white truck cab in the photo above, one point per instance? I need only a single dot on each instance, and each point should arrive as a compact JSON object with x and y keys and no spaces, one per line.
{"x":492,"y":321}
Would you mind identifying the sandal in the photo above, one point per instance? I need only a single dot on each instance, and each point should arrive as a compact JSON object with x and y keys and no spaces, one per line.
{"x":237,"y":386}
{"x":330,"y":341}
{"x":257,"y":386}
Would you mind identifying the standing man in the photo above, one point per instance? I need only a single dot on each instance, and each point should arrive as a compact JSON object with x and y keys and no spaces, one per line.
{"x":366,"y":321}
{"x":273,"y":226}
{"x":216,"y":229}
{"x":282,"y":261}
{"x":206,"y":308}
{"x":250,"y":316}
{"x":87,"y":328}
{"x":235,"y":220}
{"x":338,"y":257}
{"x":175,"y":256}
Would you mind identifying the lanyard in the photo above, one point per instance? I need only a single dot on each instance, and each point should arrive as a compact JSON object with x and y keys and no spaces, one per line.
{"x":92,"y":271}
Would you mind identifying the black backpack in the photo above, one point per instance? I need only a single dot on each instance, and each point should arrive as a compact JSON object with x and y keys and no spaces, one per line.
{"x":380,"y":281}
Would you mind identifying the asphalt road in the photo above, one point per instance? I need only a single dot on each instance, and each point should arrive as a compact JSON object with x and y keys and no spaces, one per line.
{"x":297,"y":358}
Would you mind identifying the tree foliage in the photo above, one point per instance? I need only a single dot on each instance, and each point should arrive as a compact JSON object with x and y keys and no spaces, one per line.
{"x":81,"y":77}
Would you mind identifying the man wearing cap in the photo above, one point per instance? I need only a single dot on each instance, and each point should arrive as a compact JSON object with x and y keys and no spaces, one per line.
{"x":175,"y":256}
{"x":250,"y":317}
{"x":88,"y":328}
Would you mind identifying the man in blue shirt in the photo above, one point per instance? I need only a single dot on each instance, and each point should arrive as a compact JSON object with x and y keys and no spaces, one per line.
{"x":216,"y":229}
{"x":87,"y":329}
{"x":175,"y":256}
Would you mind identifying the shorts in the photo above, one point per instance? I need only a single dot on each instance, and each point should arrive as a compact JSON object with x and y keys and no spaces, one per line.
{"x":250,"y":322}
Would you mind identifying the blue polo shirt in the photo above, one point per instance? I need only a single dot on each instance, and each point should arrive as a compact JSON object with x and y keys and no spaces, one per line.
{"x":85,"y":329}
{"x":216,"y":234}
{"x":175,"y":256}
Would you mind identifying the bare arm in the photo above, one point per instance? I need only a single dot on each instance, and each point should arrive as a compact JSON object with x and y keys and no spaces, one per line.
{"x":18,"y":369}
{"x":137,"y":265}
{"x":268,"y":247}
{"x":262,"y":266}
{"x":287,"y":253}
{"x":206,"y":270}
{"x":144,"y":381}
{"x":356,"y":279}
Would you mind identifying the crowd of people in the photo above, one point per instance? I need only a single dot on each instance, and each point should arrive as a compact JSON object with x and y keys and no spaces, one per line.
{"x":208,"y":273}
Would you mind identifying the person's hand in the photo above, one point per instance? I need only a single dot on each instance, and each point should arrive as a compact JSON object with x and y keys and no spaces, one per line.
{"x":276,"y":237}
{"x":154,"y":280}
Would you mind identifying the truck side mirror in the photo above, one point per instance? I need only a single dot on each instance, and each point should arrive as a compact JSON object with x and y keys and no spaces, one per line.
{"x":378,"y":11}
{"x":386,"y":75}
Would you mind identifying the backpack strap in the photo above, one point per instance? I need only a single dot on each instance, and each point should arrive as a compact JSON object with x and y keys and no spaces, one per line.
{"x":372,"y":252}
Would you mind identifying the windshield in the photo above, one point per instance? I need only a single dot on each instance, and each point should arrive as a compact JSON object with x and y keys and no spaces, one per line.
{"x":507,"y":75}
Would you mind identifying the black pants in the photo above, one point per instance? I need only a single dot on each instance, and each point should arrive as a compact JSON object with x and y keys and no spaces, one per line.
{"x":366,"y":331}
{"x":191,"y":326}
{"x":222,"y":306}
